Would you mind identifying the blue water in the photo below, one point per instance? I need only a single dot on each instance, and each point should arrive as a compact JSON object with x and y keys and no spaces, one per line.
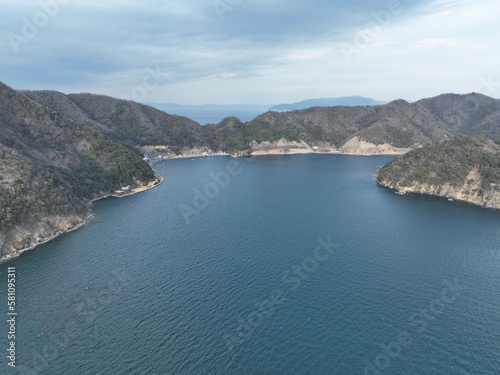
{"x":214,"y":116}
{"x":245,"y":286}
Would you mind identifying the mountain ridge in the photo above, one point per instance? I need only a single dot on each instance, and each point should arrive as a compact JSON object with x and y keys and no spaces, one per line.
{"x":398,"y":123}
{"x":52,"y":167}
{"x":350,"y":101}
{"x":59,"y":152}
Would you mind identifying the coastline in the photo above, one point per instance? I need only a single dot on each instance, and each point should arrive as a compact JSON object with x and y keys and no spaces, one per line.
{"x":360,"y":152}
{"x":159,"y":181}
{"x":50,"y":238}
{"x":83,"y":222}
{"x":444,"y":195}
{"x":186,"y":156}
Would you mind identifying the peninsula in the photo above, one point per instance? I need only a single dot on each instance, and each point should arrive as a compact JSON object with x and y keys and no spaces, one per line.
{"x":60,"y":152}
{"x":464,"y":168}
{"x":52,"y":168}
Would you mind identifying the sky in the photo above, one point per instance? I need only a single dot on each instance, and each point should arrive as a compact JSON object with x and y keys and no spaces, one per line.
{"x":251,"y":51}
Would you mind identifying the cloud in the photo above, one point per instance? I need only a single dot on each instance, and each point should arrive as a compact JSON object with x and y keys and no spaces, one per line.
{"x":437,"y":42}
{"x":258,"y":50}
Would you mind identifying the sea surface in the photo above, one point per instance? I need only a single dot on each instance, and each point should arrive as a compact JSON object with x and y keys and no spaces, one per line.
{"x":205,"y":116}
{"x":273,"y":265}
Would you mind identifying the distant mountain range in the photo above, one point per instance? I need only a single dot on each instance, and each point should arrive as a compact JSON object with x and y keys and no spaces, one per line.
{"x":61,"y":151}
{"x":398,"y":123}
{"x":253,"y":107}
{"x":214,"y":113}
{"x":349,"y":101}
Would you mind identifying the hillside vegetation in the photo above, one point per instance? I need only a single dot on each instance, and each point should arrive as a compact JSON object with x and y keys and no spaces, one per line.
{"x":58,"y":152}
{"x":51,"y":167}
{"x":398,"y":123}
{"x":465,"y":168}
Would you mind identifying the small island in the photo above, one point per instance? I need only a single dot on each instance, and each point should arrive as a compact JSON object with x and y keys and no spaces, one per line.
{"x":465,"y":168}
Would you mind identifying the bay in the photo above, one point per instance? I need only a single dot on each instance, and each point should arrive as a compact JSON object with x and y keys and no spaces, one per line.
{"x":294,"y":264}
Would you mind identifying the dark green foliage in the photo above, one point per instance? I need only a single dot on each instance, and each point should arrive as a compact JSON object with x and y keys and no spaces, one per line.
{"x":399,"y":123}
{"x":473,"y":114}
{"x":447,"y":162}
{"x":58,"y":151}
{"x":52,"y":165}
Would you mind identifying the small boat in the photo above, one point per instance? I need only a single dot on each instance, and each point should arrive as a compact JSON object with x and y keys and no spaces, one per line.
{"x":450,"y":200}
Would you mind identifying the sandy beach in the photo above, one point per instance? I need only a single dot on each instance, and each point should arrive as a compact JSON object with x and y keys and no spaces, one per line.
{"x":329,"y":152}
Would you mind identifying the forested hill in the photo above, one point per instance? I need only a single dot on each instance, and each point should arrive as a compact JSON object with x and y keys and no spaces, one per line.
{"x":51,"y":167}
{"x":465,"y":168}
{"x":58,"y":151}
{"x":398,"y":123}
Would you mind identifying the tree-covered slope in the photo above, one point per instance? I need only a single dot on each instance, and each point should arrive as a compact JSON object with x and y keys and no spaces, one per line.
{"x":398,"y":123}
{"x":462,"y":113}
{"x":60,"y":151}
{"x":465,"y":168}
{"x":127,"y":121}
{"x":51,"y":167}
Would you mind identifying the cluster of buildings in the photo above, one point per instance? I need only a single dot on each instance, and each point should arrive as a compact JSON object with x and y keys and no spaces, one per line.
{"x":124,"y":190}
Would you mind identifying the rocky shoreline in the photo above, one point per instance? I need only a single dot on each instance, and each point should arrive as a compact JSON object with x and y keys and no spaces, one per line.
{"x":69,"y":224}
{"x":30,"y":236}
{"x":355,"y":146}
{"x":464,"y":168}
{"x":489,"y":200}
{"x":48,"y":231}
